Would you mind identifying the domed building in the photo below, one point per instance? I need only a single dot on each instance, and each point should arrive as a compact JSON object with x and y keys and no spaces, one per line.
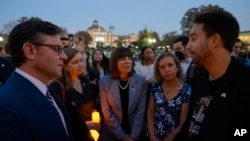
{"x":100,"y":36}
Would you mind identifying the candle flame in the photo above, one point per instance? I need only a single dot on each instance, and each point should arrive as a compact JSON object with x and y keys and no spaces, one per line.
{"x":94,"y":134}
{"x":96,"y":117}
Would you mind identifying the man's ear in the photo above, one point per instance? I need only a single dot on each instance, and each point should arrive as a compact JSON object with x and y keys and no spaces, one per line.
{"x":29,"y":50}
{"x":215,"y":40}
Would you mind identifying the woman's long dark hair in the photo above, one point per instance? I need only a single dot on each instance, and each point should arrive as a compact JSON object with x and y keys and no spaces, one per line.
{"x":104,"y":63}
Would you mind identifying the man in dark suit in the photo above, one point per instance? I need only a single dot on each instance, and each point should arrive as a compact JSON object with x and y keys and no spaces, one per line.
{"x":219,"y":103}
{"x":29,"y":110}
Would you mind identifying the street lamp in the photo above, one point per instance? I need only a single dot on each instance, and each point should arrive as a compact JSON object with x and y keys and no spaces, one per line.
{"x":111,"y":28}
{"x":168,"y":48}
{"x":151,"y":41}
{"x":1,"y":40}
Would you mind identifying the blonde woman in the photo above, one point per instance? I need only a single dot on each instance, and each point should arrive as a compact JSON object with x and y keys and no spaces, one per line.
{"x":169,"y":99}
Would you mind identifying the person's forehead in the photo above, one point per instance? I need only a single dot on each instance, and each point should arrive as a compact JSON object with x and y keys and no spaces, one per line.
{"x":197,"y":29}
{"x":178,"y":44}
{"x":148,"y":50}
{"x":167,"y":59}
{"x":237,"y":43}
{"x":52,"y":39}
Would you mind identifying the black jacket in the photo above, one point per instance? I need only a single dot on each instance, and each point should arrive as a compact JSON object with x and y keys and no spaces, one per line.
{"x":228,"y":110}
{"x":5,"y":70}
{"x":79,"y":128}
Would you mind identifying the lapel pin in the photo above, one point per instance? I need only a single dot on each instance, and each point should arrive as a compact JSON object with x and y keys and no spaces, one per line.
{"x":224,"y":95}
{"x":133,"y":88}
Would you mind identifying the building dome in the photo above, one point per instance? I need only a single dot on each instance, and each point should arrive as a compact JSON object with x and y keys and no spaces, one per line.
{"x":96,"y":26}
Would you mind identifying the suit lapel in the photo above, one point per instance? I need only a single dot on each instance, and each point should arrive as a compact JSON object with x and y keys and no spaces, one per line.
{"x":132,"y":91}
{"x":115,"y":92}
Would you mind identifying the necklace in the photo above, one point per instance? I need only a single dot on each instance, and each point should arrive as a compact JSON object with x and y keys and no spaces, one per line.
{"x":125,"y":86}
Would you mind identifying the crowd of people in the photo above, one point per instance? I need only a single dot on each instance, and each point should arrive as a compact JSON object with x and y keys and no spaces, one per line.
{"x":198,"y":92}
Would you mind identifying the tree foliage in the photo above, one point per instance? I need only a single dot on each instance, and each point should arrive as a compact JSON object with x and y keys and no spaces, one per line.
{"x":120,"y":41}
{"x":9,"y":26}
{"x":144,"y":35}
{"x":168,"y":38}
{"x":188,"y":18}
{"x":64,"y":32}
{"x":22,"y":19}
{"x":155,"y":36}
{"x":35,"y":19}
{"x":84,"y":36}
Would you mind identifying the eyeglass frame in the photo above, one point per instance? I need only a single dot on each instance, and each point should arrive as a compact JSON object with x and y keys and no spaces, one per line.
{"x":59,"y":48}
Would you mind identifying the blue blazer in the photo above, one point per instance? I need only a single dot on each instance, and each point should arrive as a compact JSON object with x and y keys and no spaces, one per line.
{"x":27,"y":115}
{"x":112,"y":109}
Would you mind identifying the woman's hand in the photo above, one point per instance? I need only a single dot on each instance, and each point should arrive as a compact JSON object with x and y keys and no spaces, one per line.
{"x":93,"y":125}
{"x":127,"y":138}
{"x":154,"y":138}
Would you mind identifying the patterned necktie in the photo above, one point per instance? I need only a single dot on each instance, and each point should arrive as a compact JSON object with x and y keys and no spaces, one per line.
{"x":60,"y":114}
{"x":50,"y":98}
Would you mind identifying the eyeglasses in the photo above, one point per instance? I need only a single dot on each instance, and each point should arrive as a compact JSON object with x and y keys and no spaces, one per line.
{"x":57,"y":48}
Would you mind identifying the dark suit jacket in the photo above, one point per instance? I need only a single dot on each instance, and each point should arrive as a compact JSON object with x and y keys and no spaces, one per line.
{"x":27,"y":115}
{"x":5,"y":70}
{"x":228,"y":110}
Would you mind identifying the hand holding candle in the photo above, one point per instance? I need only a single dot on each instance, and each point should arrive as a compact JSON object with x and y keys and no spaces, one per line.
{"x":96,"y":117}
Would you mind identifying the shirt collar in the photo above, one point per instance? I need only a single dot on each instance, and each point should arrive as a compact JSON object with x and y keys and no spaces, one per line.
{"x":39,"y":84}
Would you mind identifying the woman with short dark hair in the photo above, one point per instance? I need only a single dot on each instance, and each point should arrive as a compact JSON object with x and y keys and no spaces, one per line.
{"x":123,"y":99}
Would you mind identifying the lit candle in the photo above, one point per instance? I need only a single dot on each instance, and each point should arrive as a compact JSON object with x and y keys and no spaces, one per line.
{"x":96,"y":117}
{"x":94,"y":134}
